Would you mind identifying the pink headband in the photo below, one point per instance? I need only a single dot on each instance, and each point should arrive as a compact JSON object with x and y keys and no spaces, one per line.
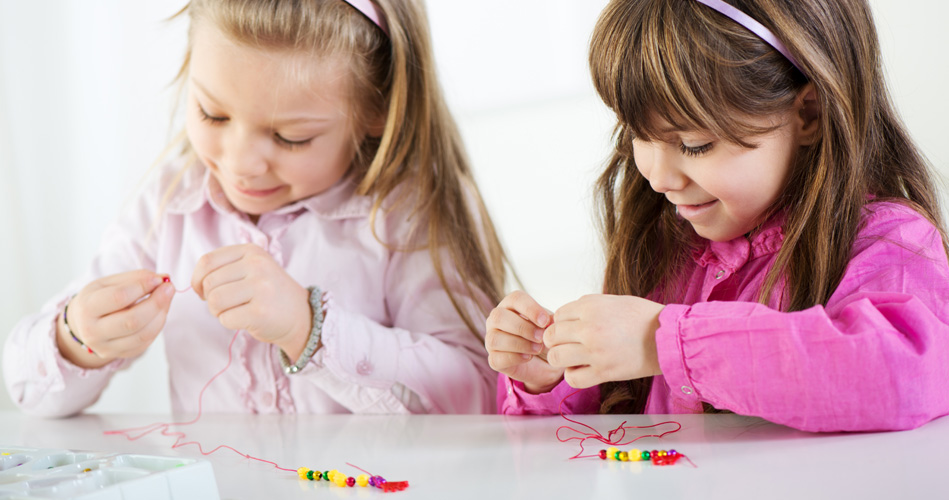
{"x":371,"y":11}
{"x":753,"y":26}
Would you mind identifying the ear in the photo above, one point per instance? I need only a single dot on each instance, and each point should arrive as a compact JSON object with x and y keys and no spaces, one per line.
{"x":808,"y":115}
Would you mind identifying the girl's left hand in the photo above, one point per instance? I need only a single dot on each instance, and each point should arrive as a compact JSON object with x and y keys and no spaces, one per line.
{"x":247,"y":290}
{"x":603,"y":338}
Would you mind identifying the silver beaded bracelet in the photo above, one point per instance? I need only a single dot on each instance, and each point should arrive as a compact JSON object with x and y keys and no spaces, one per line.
{"x":316,"y":306}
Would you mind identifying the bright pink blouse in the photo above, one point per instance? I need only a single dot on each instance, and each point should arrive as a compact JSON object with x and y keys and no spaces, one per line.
{"x":392,"y":342}
{"x":876,"y":357}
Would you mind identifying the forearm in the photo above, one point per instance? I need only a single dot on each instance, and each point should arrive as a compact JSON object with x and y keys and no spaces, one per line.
{"x":880,"y":364}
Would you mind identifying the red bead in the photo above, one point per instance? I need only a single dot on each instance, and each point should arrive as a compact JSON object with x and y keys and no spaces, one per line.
{"x":603,"y":454}
{"x":165,"y":279}
{"x":350,"y":481}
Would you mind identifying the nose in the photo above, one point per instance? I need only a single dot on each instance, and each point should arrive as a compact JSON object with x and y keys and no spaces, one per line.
{"x":660,"y":166}
{"x":242,"y":154}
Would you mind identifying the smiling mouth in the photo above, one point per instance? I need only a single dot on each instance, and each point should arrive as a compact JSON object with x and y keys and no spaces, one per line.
{"x":257,"y":193}
{"x":690,"y":212}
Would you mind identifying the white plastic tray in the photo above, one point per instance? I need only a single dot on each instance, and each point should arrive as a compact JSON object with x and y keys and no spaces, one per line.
{"x":33,"y":474}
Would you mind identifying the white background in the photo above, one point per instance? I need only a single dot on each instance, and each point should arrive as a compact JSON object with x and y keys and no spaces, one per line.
{"x":86,"y":106}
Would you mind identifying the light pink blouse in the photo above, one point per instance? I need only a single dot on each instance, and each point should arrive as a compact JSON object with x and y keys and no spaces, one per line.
{"x":876,"y":357}
{"x":393,"y":343}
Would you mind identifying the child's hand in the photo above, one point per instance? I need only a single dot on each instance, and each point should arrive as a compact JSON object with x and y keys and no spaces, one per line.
{"x":117,"y":316}
{"x":603,"y":338}
{"x":247,"y":290}
{"x":515,"y":329}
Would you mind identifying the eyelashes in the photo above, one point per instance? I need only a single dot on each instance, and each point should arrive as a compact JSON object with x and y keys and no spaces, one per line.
{"x":291,"y":144}
{"x":279,"y":139}
{"x":696,"y":150}
{"x":211,"y":119}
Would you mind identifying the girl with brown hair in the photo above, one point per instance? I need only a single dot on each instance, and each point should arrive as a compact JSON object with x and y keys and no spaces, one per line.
{"x":323,"y":207}
{"x":774,"y":239}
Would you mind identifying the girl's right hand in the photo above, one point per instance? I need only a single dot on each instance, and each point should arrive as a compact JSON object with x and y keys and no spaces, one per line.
{"x":118,"y":316}
{"x":515,"y":342}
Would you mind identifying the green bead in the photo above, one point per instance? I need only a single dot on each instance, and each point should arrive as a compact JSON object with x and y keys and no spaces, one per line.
{"x":309,"y":475}
{"x":645,"y":455}
{"x":326,"y":475}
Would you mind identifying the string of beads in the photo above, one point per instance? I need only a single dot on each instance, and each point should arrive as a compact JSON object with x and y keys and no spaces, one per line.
{"x":340,"y":479}
{"x":658,"y":457}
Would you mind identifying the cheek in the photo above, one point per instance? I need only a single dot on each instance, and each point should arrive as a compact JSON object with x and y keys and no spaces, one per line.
{"x":201,"y":137}
{"x":643,"y":157}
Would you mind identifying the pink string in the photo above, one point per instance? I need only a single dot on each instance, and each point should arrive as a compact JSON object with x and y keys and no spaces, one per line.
{"x":165,"y":426}
{"x":360,"y":468}
{"x":619,"y":431}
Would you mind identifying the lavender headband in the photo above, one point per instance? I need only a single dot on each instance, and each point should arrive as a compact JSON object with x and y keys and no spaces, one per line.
{"x":371,"y":11}
{"x":753,"y":26}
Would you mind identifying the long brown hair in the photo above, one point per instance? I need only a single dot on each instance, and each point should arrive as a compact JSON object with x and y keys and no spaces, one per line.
{"x":696,"y":69}
{"x":419,"y":158}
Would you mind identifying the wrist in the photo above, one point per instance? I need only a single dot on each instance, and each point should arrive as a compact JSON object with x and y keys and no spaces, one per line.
{"x":292,"y":345}
{"x":311,"y":340}
{"x":74,"y":350}
{"x":533,"y":388}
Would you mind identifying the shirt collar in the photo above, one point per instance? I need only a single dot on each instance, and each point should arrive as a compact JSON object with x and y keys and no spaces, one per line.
{"x":733,"y":254}
{"x":198,"y":187}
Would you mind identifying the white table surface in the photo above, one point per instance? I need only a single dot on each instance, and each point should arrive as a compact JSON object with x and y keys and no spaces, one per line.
{"x":490,"y":456}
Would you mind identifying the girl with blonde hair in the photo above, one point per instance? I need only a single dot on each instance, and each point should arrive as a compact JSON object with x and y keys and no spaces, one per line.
{"x":322,"y":207}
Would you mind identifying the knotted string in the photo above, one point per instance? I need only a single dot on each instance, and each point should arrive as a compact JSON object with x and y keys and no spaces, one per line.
{"x":614,"y":437}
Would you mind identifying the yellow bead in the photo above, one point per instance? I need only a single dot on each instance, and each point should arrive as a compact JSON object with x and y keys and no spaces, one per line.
{"x":623,"y":456}
{"x":362,"y":480}
{"x":634,"y":455}
{"x":333,"y":474}
{"x":302,"y":472}
{"x":611,"y":452}
{"x":663,"y":453}
{"x":340,"y":479}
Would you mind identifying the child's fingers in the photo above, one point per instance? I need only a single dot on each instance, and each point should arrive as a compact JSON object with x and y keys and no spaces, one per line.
{"x":135,"y":318}
{"x":128,"y":277}
{"x":563,"y":332}
{"x":120,"y":292}
{"x":212,"y":261}
{"x":510,"y":322}
{"x":525,"y":305}
{"x":132,"y":345}
{"x":568,"y":355}
{"x":501,"y":341}
{"x":506,"y":362}
{"x":222,"y":277}
{"x":581,"y":377}
{"x":228,"y":297}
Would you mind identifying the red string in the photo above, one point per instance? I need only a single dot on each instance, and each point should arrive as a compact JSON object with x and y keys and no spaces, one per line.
{"x":165,"y":427}
{"x":148,"y":429}
{"x":619,"y":431}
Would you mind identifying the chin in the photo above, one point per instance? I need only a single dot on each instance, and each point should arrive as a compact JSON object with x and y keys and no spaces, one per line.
{"x":712,"y":235}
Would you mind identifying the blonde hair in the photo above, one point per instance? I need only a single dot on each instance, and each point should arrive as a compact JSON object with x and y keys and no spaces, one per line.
{"x":419,"y":158}
{"x":696,"y":69}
